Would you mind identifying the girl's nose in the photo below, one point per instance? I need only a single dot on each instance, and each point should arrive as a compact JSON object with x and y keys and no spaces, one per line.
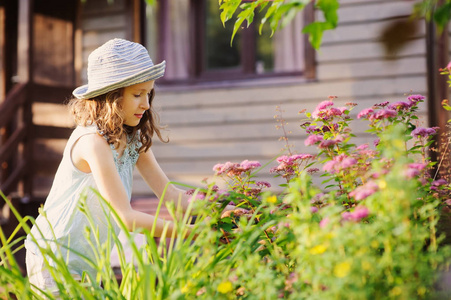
{"x":145,"y":103}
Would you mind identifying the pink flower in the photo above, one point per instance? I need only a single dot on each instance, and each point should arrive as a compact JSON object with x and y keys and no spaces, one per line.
{"x":417,"y":166}
{"x":313,"y":139}
{"x":448,"y":66}
{"x":199,"y":196}
{"x":338,"y":163}
{"x":282,"y":158}
{"x":358,"y":214}
{"x":313,"y":209}
{"x":362,"y":147}
{"x":217,"y":168}
{"x":325,"y":104}
{"x":439,"y":182}
{"x":382,"y":104}
{"x":343,"y":109}
{"x":424,"y":132}
{"x":348,"y":162}
{"x":223,"y":192}
{"x":288,"y":165}
{"x":400,"y":105}
{"x":336,"y":111}
{"x":411,"y":173}
{"x":263,"y":184}
{"x":383,"y":114}
{"x":312,"y":170}
{"x":327,"y":144}
{"x":415,"y":98}
{"x":301,"y":156}
{"x":330,"y":166}
{"x":364,"y":191}
{"x":312,"y":129}
{"x":325,"y":112}
{"x":247,"y":165}
{"x":323,"y":223}
{"x":365,"y":113}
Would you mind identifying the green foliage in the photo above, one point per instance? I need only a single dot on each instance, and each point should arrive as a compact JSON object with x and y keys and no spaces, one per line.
{"x":371,"y":233}
{"x":434,"y":10}
{"x":279,"y":13}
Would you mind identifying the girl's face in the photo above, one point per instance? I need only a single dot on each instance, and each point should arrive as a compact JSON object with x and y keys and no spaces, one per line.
{"x":135,"y":102}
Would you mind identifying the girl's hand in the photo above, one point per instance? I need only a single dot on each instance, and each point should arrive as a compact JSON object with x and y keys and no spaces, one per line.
{"x":236,"y":212}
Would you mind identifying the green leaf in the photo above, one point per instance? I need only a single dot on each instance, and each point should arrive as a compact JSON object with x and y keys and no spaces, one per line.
{"x":329,"y":8}
{"x":315,"y":31}
{"x":442,"y":15}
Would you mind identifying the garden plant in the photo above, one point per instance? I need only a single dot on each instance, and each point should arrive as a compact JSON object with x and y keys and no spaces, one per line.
{"x":351,"y":222}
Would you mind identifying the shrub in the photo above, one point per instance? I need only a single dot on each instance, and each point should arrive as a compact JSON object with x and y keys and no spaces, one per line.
{"x":369,"y":230}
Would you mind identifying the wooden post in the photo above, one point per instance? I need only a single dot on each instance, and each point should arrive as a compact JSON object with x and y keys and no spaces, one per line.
{"x":197,"y":33}
{"x":437,"y":57}
{"x":309,"y":51}
{"x":2,"y":55}
{"x":78,"y":45}
{"x":25,"y":75}
{"x":134,"y":20}
{"x":24,"y":41}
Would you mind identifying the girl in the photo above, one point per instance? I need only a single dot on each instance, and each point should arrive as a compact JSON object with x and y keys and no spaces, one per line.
{"x":114,"y":133}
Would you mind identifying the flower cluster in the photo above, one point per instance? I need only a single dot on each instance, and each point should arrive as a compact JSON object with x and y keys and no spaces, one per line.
{"x":326,"y":111}
{"x":290,"y":166}
{"x":364,"y":190}
{"x":339,"y":163}
{"x":235,"y":169}
{"x":424,"y":132}
{"x":415,"y":170}
{"x":358,"y":214}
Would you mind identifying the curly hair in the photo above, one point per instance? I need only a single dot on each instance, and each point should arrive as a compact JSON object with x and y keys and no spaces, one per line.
{"x":104,"y":111}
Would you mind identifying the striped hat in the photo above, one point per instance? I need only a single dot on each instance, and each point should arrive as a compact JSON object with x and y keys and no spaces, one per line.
{"x":118,"y":63}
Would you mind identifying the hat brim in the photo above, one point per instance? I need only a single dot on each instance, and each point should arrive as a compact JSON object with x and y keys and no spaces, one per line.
{"x":153,"y":73}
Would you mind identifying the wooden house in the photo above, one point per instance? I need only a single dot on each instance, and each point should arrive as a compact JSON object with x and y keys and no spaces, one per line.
{"x":218,"y":101}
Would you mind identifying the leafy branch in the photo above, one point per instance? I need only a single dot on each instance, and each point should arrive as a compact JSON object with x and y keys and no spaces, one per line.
{"x":279,"y":13}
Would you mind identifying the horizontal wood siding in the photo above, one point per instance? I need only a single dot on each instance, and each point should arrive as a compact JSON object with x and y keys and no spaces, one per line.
{"x":236,"y":122}
{"x":102,"y":20}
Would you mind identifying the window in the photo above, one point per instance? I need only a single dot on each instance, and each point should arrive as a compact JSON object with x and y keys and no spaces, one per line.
{"x":189,"y":35}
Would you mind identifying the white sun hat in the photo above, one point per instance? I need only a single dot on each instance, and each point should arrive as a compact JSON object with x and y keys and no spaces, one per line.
{"x":118,"y":63}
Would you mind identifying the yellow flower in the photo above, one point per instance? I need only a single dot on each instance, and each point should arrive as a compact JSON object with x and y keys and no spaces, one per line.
{"x":421,"y":290}
{"x":225,"y":287}
{"x":272,"y":199}
{"x":396,"y":291}
{"x":186,"y":288}
{"x":366,"y":265}
{"x":318,"y":249}
{"x":342,"y":269}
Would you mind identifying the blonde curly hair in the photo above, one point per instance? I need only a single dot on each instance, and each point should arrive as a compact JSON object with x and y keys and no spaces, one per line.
{"x":104,"y":111}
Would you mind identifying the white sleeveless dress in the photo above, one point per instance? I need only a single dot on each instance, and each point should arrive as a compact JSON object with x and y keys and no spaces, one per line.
{"x":64,"y":227}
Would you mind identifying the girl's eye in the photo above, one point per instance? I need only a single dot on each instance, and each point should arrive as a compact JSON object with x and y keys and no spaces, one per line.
{"x":137,"y":96}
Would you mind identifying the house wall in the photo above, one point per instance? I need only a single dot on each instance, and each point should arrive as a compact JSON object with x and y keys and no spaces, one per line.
{"x":234,"y":121}
{"x":101,"y":21}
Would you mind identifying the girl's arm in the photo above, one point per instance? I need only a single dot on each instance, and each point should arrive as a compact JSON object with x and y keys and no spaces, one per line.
{"x":157,"y":180}
{"x":93,"y":154}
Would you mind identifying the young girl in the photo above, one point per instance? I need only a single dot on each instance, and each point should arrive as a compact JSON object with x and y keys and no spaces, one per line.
{"x":115,"y":126}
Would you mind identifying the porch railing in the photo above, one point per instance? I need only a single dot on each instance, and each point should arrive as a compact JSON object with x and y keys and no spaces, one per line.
{"x":18,"y":162}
